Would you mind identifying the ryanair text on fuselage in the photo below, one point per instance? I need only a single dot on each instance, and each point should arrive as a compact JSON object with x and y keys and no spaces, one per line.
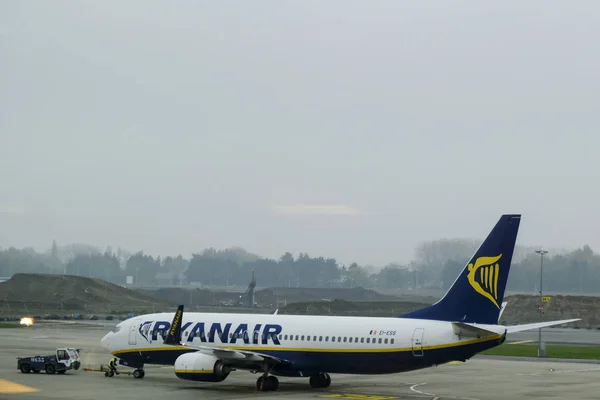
{"x":217,"y":332}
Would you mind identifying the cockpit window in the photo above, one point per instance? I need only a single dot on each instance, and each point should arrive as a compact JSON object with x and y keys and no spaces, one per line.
{"x":116,"y":329}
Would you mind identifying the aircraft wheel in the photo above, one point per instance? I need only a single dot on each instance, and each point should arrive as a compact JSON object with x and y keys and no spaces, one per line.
{"x":138,"y":373}
{"x":273,"y":383}
{"x":266,"y":384}
{"x":326,"y":380}
{"x":320,"y":381}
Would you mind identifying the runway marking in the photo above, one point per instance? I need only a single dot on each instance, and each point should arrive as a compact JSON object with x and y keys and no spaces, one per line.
{"x":521,"y":342}
{"x":358,"y":396}
{"x":11,"y":387}
{"x":437,"y":396}
{"x":455,"y":362}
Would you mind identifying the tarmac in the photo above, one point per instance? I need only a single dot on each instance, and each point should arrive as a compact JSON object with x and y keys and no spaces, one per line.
{"x":480,"y":378}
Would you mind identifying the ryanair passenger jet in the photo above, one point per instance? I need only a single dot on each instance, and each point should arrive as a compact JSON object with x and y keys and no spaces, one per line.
{"x":209,"y":346}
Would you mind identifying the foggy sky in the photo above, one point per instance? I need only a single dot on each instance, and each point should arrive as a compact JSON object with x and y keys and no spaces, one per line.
{"x":350,"y":129}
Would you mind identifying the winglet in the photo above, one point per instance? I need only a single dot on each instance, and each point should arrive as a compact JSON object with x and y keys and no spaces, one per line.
{"x":174,"y":333}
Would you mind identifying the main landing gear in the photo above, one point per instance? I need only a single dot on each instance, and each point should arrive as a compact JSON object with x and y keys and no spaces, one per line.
{"x":267,"y":382}
{"x":320,"y":381}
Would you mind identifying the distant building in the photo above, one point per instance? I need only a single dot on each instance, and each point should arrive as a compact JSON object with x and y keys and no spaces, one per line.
{"x":4,"y":278}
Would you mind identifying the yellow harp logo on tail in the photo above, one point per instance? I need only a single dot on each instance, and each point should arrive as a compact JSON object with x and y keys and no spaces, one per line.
{"x":485,"y":282}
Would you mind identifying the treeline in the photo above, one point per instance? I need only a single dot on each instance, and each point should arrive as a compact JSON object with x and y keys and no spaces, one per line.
{"x":436,"y":265}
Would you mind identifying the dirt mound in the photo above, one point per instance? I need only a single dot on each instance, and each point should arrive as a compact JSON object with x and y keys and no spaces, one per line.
{"x":74,"y":293}
{"x":319,"y":294}
{"x":197,"y":297}
{"x":353,"y":308}
{"x":524,"y":309}
{"x":269,"y":297}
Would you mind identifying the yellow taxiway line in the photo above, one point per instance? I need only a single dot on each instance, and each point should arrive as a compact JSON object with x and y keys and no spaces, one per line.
{"x":11,"y":387}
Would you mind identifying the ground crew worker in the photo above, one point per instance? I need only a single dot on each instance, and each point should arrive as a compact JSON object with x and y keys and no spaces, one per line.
{"x":112,"y":364}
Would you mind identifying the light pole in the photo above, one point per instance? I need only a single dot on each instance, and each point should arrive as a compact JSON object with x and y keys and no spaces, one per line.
{"x":541,"y":252}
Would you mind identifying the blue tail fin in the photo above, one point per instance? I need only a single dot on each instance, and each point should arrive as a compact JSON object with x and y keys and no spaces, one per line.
{"x":476,"y":295}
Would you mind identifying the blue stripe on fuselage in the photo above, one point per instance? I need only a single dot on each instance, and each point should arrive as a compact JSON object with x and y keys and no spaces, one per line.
{"x":373,"y":362}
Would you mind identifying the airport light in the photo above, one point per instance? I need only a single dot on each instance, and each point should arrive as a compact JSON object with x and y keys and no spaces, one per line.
{"x":541,"y":252}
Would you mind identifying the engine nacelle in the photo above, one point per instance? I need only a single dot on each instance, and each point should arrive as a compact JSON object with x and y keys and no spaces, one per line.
{"x":200,"y":367}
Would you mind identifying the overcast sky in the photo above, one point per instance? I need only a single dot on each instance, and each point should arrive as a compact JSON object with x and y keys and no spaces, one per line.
{"x":350,"y":129}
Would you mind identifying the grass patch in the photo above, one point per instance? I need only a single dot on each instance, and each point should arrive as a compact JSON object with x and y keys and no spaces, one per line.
{"x":552,"y":351}
{"x":4,"y":325}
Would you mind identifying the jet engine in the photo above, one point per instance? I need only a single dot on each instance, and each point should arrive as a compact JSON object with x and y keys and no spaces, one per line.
{"x":201,"y":367}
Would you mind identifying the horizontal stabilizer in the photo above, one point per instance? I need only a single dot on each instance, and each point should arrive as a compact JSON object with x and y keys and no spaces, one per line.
{"x":538,"y":325}
{"x":468,"y":330}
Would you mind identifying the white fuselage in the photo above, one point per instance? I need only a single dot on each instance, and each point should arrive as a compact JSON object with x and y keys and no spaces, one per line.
{"x":323,"y":343}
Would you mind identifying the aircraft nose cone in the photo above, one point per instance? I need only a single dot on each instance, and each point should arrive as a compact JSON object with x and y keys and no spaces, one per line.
{"x":105,"y":341}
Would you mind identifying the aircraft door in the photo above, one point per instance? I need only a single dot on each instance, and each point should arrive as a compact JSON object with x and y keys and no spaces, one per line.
{"x":133,"y":334}
{"x":417,"y":342}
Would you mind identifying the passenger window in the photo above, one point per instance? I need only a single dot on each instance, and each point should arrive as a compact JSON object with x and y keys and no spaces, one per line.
{"x":333,"y":338}
{"x":320,"y":338}
{"x":368,"y":340}
{"x":392,"y":341}
{"x":345,"y":338}
{"x":339,"y":338}
{"x":380,"y":340}
{"x":302,"y":337}
{"x":362,"y":339}
{"x":326,"y":338}
{"x":285,"y":337}
{"x":296,"y":337}
{"x":314,"y":338}
{"x":356,"y":340}
{"x":385,"y":341}
{"x":350,"y":339}
{"x":308,"y":338}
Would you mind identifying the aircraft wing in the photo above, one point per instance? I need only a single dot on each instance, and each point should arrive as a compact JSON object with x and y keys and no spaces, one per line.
{"x":174,"y":339}
{"x":537,"y":325}
{"x":233,"y":354}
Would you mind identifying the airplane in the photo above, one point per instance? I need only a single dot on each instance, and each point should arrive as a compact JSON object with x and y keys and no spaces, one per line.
{"x":207,"y":347}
